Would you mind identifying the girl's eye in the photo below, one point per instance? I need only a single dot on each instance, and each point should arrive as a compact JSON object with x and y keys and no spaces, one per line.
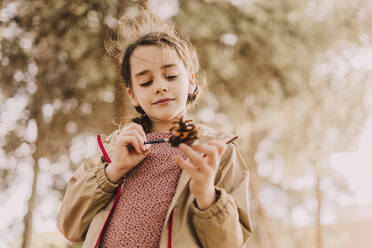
{"x":171,"y":77}
{"x":147,"y":83}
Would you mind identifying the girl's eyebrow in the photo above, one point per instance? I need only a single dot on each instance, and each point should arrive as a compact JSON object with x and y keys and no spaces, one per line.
{"x":142,"y":73}
{"x":168,"y":65}
{"x":146,"y":71}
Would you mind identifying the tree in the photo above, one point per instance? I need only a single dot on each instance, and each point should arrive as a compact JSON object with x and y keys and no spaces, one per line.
{"x":274,"y":74}
{"x":54,"y":61}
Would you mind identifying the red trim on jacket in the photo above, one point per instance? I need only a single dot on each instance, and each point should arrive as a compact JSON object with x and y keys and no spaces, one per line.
{"x":117,"y":193}
{"x":170,"y":229}
{"x":108,"y":216}
{"x":103,"y":149}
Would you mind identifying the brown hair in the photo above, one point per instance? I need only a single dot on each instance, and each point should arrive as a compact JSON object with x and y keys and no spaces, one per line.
{"x":145,"y":30}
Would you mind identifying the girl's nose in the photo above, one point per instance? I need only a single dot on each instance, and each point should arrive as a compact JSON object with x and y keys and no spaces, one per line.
{"x":161,"y":87}
{"x":161,"y":90}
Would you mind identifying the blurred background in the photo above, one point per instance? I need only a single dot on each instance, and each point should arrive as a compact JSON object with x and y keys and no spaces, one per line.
{"x":292,"y":78}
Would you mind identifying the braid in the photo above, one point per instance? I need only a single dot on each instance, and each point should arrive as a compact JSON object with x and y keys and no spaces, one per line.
{"x":143,"y":120}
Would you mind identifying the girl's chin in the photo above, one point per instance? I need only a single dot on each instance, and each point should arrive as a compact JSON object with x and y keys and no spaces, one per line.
{"x":166,"y":116}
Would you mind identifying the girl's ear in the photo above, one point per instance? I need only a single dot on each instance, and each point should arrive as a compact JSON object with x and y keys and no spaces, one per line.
{"x":132,"y":97}
{"x":192,"y":83}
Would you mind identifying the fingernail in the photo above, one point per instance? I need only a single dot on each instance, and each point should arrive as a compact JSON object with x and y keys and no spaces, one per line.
{"x":195,"y":143}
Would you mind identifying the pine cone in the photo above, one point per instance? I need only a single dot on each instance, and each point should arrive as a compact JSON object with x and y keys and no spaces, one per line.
{"x":183,"y":132}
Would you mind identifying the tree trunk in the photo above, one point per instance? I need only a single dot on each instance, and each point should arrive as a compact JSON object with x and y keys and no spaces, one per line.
{"x":121,"y":99}
{"x":319,"y":238}
{"x":261,"y":213}
{"x":255,"y":190}
{"x":35,"y":113}
{"x":27,"y":234}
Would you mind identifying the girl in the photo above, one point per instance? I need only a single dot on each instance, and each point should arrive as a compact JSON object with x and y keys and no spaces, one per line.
{"x":137,"y":195}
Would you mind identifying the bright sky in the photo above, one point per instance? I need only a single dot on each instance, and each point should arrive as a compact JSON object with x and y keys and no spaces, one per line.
{"x":356,"y":166}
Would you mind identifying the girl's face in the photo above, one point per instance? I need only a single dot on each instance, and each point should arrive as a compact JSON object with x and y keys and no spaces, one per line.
{"x":160,"y":83}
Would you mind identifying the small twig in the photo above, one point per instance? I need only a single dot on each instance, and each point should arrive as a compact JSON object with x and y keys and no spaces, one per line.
{"x":157,"y":141}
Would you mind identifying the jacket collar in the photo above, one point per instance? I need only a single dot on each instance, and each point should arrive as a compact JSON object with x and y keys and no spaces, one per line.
{"x":207,"y":133}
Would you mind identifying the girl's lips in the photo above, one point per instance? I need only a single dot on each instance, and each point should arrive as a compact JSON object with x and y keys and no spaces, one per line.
{"x":163,"y":101}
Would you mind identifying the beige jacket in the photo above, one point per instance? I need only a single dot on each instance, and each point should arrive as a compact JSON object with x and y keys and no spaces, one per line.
{"x":90,"y":197}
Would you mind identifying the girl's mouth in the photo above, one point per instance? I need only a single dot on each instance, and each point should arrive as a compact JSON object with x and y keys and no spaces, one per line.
{"x":164,"y":101}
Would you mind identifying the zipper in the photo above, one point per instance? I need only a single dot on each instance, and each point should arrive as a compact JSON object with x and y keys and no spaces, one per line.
{"x":117,"y":193}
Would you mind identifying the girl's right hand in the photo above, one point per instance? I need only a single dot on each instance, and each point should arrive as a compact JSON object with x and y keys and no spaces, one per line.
{"x":129,"y":151}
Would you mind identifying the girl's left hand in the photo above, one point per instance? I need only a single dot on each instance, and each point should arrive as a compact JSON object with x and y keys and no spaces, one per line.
{"x":202,"y":168}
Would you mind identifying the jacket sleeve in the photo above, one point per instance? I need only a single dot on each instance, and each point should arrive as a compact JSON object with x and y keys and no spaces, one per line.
{"x":88,"y":191}
{"x":226,"y":223}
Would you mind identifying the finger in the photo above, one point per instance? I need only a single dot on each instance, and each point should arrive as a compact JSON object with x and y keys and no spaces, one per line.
{"x":210,"y":150}
{"x":186,"y":165}
{"x":221,"y":146}
{"x":195,"y":158}
{"x":132,"y":126}
{"x":141,"y":141}
{"x":131,"y":140}
{"x":138,"y":136}
{"x":133,"y":133}
{"x":126,"y":128}
{"x":139,"y":128}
